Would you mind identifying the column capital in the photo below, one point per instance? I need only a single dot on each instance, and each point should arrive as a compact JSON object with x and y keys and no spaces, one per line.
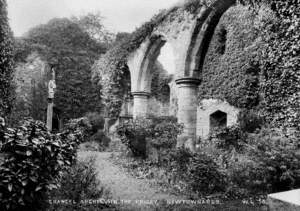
{"x":187,"y":80}
{"x":141,"y":94}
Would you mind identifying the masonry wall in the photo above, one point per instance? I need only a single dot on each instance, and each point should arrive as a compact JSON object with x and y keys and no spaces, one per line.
{"x":208,"y":107}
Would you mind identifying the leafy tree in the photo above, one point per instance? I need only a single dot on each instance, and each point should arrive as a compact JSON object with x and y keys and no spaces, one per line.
{"x":92,"y":23}
{"x":6,"y":62}
{"x":62,"y":43}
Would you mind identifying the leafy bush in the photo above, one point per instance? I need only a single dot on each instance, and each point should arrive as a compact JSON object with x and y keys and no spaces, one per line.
{"x":203,"y":175}
{"x":228,"y":137}
{"x":266,"y":162}
{"x":244,"y":178}
{"x":178,"y":159}
{"x":96,"y":120}
{"x":277,"y":158}
{"x":194,"y":174}
{"x":34,"y":160}
{"x":165,"y":132}
{"x":78,"y":183}
{"x":162,"y":133}
{"x":100,"y":138}
{"x":133,"y":134}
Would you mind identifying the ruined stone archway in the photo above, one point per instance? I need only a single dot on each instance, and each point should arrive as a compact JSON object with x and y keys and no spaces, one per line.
{"x":190,"y":36}
{"x":141,"y":65}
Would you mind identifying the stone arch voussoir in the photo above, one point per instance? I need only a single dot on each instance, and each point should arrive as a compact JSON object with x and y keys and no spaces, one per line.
{"x":203,"y":31}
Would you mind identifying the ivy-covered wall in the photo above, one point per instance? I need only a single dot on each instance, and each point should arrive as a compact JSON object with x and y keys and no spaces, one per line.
{"x":227,"y":72}
{"x":6,"y":62}
{"x":253,"y":61}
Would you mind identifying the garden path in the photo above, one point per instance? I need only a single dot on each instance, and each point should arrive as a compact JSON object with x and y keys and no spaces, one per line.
{"x":124,"y":186}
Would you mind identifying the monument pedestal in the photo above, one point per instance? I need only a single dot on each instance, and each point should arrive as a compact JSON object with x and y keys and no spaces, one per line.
{"x":49,"y":114}
{"x":287,"y":201}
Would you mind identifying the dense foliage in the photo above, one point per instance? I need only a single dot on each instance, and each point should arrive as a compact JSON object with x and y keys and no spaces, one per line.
{"x":195,"y":174}
{"x":79,"y":183}
{"x":34,"y":160}
{"x":228,"y":138}
{"x":63,"y":44}
{"x":140,"y":134}
{"x":256,"y":163}
{"x":261,"y":163}
{"x":96,"y":134}
{"x":6,"y":63}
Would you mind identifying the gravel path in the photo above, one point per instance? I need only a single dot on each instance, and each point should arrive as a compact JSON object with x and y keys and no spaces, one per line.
{"x":122,"y":185}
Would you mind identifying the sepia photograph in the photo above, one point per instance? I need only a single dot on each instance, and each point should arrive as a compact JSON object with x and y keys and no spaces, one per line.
{"x":150,"y":105}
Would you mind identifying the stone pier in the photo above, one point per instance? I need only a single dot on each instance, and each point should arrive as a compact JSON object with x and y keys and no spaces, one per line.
{"x":140,"y":104}
{"x":187,"y":108}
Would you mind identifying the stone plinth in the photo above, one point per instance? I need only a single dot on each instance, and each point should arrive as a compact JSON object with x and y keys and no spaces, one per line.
{"x":287,"y":201}
{"x":140,"y":104}
{"x":187,"y":107}
{"x":50,"y":114}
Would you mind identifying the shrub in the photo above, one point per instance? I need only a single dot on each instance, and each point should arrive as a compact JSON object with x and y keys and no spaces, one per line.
{"x":162,"y":132}
{"x":133,"y":134}
{"x":269,"y":163}
{"x":178,"y":159}
{"x":100,"y":138}
{"x":96,"y":120}
{"x":277,"y":158}
{"x":244,"y":178}
{"x":194,"y":174}
{"x":79,"y":183}
{"x":204,"y":176}
{"x":80,"y":124}
{"x":165,"y":132}
{"x":34,"y":160}
{"x":228,"y":137}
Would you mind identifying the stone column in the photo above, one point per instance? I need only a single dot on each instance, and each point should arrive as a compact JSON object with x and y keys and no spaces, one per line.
{"x":187,"y":110}
{"x":140,"y":104}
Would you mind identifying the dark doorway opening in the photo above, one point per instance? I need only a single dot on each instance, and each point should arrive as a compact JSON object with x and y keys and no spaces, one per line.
{"x":218,"y":119}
